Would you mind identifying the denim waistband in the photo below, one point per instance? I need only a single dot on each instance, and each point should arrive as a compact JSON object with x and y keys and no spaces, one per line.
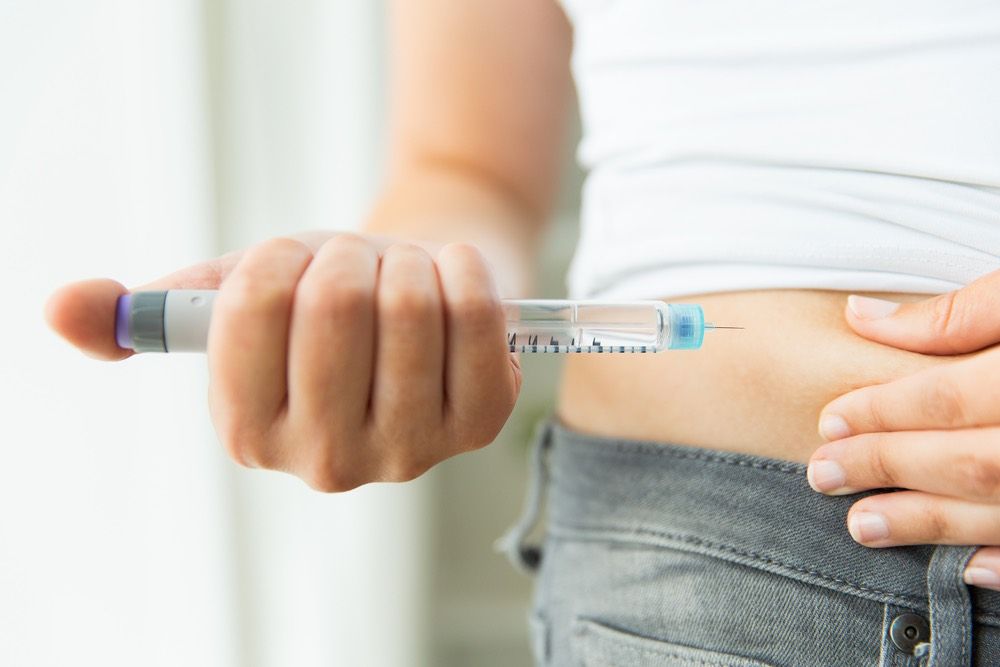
{"x":752,"y":510}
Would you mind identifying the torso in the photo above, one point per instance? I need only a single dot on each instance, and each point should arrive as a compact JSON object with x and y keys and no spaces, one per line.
{"x":756,"y":391}
{"x":737,"y":146}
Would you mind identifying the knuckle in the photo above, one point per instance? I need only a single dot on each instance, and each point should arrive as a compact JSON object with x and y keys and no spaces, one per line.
{"x":266,"y":271}
{"x":408,"y":450}
{"x":936,"y":527}
{"x":473,"y":434}
{"x":235,"y":447}
{"x":879,"y":410}
{"x":407,"y":303}
{"x":461,"y":252}
{"x":350,"y":300}
{"x":281,"y":247}
{"x":327,"y":476}
{"x":255,"y":287}
{"x":406,"y":469}
{"x":480,"y":312}
{"x":348,"y":240}
{"x":265,"y":456}
{"x":978,"y":475}
{"x":245,"y":448}
{"x":245,"y":287}
{"x":881,"y":463}
{"x":408,"y":288}
{"x":348,"y":244}
{"x":244,"y":441}
{"x":405,"y":250}
{"x":274,"y":258}
{"x":228,"y":432}
{"x":943,"y":402}
{"x":341,"y":300}
{"x":946,"y":315}
{"x":329,"y":481}
{"x":484,"y":435}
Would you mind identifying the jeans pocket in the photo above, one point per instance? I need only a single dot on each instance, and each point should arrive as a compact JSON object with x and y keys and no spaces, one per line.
{"x":599,"y":645}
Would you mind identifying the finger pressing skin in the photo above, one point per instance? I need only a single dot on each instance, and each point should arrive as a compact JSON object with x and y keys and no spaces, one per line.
{"x":915,"y":517}
{"x":247,"y":345}
{"x":953,"y":323}
{"x":983,"y":569}
{"x":482,"y":377}
{"x":407,"y":394}
{"x":958,"y":395}
{"x":333,"y":328}
{"x":963,"y":464}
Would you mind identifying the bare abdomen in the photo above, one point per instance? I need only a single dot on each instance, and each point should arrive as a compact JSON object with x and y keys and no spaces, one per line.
{"x":758,"y":391}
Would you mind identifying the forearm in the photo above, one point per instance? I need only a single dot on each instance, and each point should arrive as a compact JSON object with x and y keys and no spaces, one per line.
{"x":442,"y":203}
{"x":480,"y":91}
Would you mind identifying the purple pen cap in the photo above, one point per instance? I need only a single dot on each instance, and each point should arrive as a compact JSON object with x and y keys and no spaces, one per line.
{"x":139,"y":321}
{"x":123,"y":328}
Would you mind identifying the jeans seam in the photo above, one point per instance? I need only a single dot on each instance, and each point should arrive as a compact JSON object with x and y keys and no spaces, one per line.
{"x":624,"y":449}
{"x":875,"y":594}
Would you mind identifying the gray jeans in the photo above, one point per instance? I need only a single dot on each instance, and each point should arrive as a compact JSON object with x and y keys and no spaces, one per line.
{"x":659,"y":554}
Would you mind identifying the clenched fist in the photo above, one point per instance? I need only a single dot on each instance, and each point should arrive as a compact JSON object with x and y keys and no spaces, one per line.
{"x":344,"y":360}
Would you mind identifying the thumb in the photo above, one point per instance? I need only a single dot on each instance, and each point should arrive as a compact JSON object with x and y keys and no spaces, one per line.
{"x":956,"y":322}
{"x":84,"y":312}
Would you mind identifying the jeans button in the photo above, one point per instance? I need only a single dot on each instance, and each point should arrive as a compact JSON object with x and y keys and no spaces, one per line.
{"x":908,"y":630}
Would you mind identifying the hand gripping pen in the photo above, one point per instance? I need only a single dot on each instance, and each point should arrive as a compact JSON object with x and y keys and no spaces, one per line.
{"x":178,"y":321}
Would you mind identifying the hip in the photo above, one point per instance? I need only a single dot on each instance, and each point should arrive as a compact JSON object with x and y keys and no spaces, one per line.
{"x":656,"y":553}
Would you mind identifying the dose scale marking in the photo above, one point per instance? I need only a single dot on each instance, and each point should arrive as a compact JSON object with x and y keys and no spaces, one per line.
{"x":178,"y":321}
{"x":555,"y":346}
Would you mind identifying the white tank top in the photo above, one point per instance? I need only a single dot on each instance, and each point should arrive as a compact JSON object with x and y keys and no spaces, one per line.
{"x":848,"y":145}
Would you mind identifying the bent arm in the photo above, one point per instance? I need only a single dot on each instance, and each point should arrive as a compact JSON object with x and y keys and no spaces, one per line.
{"x":479,"y":95}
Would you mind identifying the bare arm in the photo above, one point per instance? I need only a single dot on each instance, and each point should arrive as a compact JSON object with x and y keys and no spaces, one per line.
{"x":347,"y":359}
{"x":479,"y":93}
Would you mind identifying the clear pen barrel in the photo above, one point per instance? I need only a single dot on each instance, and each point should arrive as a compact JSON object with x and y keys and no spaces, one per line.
{"x":607,"y":327}
{"x":178,"y":321}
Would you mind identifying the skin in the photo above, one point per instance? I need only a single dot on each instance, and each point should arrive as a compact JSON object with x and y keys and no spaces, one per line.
{"x":935,"y":434}
{"x":473,"y":172}
{"x":480,"y":92}
{"x":755,"y":391}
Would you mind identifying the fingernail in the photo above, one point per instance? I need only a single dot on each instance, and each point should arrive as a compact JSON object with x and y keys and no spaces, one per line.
{"x":867,"y":527}
{"x":825,"y":476}
{"x":868,"y":308}
{"x":980,"y":576}
{"x":833,"y":427}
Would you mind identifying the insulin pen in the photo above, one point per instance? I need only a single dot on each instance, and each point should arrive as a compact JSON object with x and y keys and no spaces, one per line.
{"x":178,"y":321}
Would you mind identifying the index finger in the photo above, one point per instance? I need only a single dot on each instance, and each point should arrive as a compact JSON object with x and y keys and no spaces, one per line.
{"x":956,"y":322}
{"x":959,"y":395}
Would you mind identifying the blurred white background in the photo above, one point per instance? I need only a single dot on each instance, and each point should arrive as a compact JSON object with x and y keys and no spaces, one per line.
{"x":137,"y":136}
